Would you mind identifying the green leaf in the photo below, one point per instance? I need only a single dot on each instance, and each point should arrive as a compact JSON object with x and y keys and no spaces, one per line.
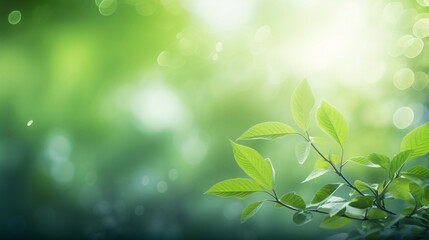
{"x":315,"y":174}
{"x":407,"y":211}
{"x":362,"y":202}
{"x":362,"y":186}
{"x":325,"y":192}
{"x":250,"y":210}
{"x":268,"y":131}
{"x":238,"y":187}
{"x":417,"y":140}
{"x":418,"y":172}
{"x":399,"y":188}
{"x":398,"y":161}
{"x":417,"y":192}
{"x":425,"y":197}
{"x":337,"y":207}
{"x":317,"y":140}
{"x":253,"y":164}
{"x":322,"y":163}
{"x":380,"y":160}
{"x":332,"y":122}
{"x":293,"y":200}
{"x":375,"y":213}
{"x":362,"y":161}
{"x":302,"y":103}
{"x":334,"y":222}
{"x":268,"y":160}
{"x":301,"y":218}
{"x":302,"y":150}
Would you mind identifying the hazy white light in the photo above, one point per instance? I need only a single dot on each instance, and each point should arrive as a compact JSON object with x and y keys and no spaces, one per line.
{"x":403,"y":117}
{"x":193,"y":149}
{"x":162,"y":187}
{"x":392,"y":11}
{"x":223,"y":15}
{"x":29,"y":123}
{"x":343,"y":45}
{"x":403,"y":78}
{"x":219,"y":47}
{"x":158,"y":107}
{"x":262,"y":34}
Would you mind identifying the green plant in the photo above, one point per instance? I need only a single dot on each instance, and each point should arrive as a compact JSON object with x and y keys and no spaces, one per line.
{"x":368,"y":201}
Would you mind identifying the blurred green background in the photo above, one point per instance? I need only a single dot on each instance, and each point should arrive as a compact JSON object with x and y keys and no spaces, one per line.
{"x":132,"y":103}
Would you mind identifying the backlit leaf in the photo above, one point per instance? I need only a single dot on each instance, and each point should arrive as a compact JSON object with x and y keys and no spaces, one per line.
{"x":325,"y":192}
{"x":417,"y":140}
{"x":293,"y":200}
{"x":302,"y":150}
{"x":332,"y":122}
{"x":302,"y":103}
{"x":380,"y":160}
{"x":238,"y":187}
{"x":268,"y":131}
{"x":253,"y":164}
{"x":250,"y":210}
{"x":315,"y":174}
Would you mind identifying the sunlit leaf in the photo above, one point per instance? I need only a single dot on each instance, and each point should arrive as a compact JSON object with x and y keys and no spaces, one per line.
{"x":417,"y":192}
{"x":417,"y":140}
{"x":268,"y":160}
{"x":334,"y":222}
{"x":332,"y":122}
{"x":362,"y":186}
{"x":301,"y":218}
{"x":253,"y":164}
{"x":425,"y":196}
{"x":400,"y":189}
{"x":317,"y":140}
{"x":322,"y":163}
{"x":362,"y":161}
{"x":251,"y":210}
{"x":325,"y":192}
{"x":380,"y":160}
{"x":337,"y":207}
{"x":315,"y":174}
{"x":399,"y":160}
{"x":418,"y":172}
{"x":293,"y":200}
{"x":302,"y":150}
{"x":238,"y":187}
{"x":268,"y":131}
{"x":302,"y":103}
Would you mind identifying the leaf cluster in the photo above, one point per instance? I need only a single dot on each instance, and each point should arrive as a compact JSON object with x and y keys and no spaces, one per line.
{"x":367,"y":203}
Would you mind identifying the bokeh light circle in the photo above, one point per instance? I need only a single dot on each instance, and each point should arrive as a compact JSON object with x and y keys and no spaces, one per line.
{"x":14,"y":17}
{"x":403,"y":78}
{"x":403,"y":117}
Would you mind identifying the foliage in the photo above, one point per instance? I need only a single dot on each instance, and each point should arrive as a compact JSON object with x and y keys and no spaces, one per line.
{"x":368,"y":201}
